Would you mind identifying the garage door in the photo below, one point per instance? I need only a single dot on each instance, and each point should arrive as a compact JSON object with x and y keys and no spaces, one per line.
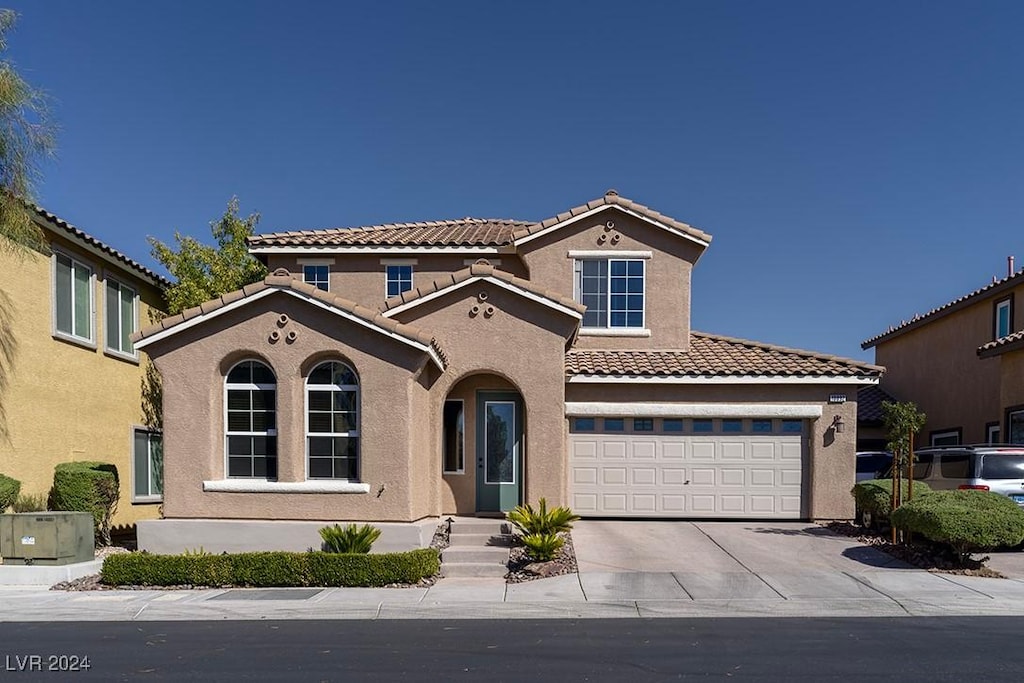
{"x":707,"y":468}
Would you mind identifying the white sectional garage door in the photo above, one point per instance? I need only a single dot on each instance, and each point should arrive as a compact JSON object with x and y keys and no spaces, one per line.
{"x":686,"y":475}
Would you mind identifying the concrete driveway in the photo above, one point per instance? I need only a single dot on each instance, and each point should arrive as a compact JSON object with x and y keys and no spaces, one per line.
{"x":733,"y":560}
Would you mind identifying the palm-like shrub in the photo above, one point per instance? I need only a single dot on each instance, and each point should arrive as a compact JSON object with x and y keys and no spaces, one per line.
{"x":542,"y":521}
{"x":543,"y":547}
{"x":349,"y":539}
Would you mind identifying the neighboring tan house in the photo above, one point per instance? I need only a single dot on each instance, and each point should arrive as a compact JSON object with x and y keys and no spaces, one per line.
{"x":401,"y":372}
{"x":77,"y":381}
{"x":962,"y":364}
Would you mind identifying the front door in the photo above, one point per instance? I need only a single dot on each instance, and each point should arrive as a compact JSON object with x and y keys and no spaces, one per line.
{"x":499,"y":451}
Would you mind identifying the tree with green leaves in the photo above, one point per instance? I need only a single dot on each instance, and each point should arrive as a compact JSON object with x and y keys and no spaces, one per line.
{"x":203,"y":272}
{"x":26,"y":138}
{"x":902,"y":420}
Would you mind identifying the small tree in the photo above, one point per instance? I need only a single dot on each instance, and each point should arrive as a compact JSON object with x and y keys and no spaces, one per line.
{"x":902,"y":420}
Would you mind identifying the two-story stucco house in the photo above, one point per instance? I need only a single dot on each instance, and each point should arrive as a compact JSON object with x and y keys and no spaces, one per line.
{"x":962,"y":363}
{"x":401,"y":372}
{"x":76,"y":379}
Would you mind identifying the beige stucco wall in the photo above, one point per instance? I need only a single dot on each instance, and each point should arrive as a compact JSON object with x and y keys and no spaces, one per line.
{"x":523,"y":342}
{"x":362,"y":277}
{"x":393,"y":456}
{"x":67,"y":401}
{"x":830,"y":464}
{"x":937,"y":367}
{"x":667,"y":272}
{"x":1011,"y":386}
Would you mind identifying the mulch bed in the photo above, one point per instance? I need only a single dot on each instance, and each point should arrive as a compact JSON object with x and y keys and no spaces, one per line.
{"x":920,"y":552}
{"x":521,"y":568}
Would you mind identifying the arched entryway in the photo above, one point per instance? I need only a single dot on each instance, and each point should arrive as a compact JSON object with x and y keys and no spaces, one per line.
{"x":483,"y":443}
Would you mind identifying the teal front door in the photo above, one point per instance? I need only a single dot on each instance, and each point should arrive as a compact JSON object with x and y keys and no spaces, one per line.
{"x":499,"y":451}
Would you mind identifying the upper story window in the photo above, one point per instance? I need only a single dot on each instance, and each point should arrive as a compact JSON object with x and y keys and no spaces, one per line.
{"x":613,"y":292}
{"x":122,"y":317}
{"x":317,"y":275}
{"x":72,"y":298}
{"x":1003,"y":318}
{"x":399,"y":279}
{"x":251,"y":423}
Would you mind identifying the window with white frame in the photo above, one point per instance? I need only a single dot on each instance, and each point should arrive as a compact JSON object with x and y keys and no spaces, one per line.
{"x":1003,"y":318}
{"x":147,"y":466}
{"x":399,"y":279}
{"x":949,"y":437}
{"x":121,"y":303}
{"x":613,"y":292}
{"x":332,"y":422}
{"x":992,"y":432}
{"x":318,"y":275}
{"x":454,"y":437}
{"x":72,"y":297}
{"x":251,"y":434}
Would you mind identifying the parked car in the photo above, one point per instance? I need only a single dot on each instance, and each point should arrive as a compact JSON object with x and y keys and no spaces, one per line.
{"x":873,"y":464}
{"x":999,"y":469}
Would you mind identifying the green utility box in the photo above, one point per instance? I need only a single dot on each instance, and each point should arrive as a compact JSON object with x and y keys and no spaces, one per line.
{"x":47,"y":538}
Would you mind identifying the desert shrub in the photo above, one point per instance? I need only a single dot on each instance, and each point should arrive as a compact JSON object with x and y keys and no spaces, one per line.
{"x":84,"y":486}
{"x":542,"y":521}
{"x":9,"y":489}
{"x":29,"y":502}
{"x":966,"y":521}
{"x":268,"y":569}
{"x":874,"y":496}
{"x":349,"y":538}
{"x":542,"y":547}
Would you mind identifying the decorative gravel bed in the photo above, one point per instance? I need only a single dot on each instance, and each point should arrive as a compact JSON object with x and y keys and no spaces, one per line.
{"x":920,"y":553}
{"x":521,"y":568}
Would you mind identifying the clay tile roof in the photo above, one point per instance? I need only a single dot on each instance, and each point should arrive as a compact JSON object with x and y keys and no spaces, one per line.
{"x":717,"y":355}
{"x":280,"y":279}
{"x":612,"y":198}
{"x":994,"y":287}
{"x":869,"y":403}
{"x":79,"y":235}
{"x":462,"y":232}
{"x":1008,"y":343}
{"x":481,"y":269}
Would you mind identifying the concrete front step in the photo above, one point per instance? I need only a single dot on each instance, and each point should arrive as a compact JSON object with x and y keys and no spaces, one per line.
{"x":475,"y":525}
{"x":471,"y":554}
{"x":474,"y":569}
{"x":480,"y":540}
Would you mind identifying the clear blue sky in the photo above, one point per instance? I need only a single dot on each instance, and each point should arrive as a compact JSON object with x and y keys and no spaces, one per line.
{"x":856,"y":162}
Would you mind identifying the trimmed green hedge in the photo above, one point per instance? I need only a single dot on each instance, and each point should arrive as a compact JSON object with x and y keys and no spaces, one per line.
{"x":9,"y":489}
{"x":967,"y":521}
{"x":267,"y":569}
{"x":874,"y":496}
{"x":85,"y":486}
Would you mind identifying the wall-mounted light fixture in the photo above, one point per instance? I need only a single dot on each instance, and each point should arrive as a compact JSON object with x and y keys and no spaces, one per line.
{"x":838,"y":424}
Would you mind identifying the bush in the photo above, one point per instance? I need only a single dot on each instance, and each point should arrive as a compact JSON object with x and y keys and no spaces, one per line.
{"x":874,"y":497}
{"x":349,"y":539}
{"x":268,"y":569}
{"x":966,"y":521}
{"x":28,"y":502}
{"x":542,"y":521}
{"x":87,"y":487}
{"x":9,"y":489}
{"x":542,"y":547}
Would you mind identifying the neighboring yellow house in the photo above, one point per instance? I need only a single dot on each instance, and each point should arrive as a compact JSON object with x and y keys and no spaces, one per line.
{"x":76,"y":390}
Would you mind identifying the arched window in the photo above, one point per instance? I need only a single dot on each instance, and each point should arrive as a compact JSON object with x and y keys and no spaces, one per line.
{"x":250,"y":400}
{"x":332,"y":422}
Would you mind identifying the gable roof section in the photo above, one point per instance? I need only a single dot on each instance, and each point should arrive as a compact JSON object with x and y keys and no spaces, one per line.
{"x":281,"y":281}
{"x":1011,"y":342}
{"x":714,"y":357}
{"x":464,"y":232}
{"x":990,"y":290}
{"x":869,"y":403}
{"x":483,"y":271}
{"x":61,"y":226}
{"x":610,"y":199}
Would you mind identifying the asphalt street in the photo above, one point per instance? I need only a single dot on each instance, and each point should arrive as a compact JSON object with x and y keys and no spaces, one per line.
{"x":734,"y":649}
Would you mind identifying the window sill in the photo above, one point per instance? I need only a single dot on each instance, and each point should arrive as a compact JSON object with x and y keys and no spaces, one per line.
{"x":614,"y":332}
{"x":126,"y":357}
{"x":77,"y":341}
{"x":147,"y":500}
{"x":264,"y":486}
{"x":450,"y":473}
